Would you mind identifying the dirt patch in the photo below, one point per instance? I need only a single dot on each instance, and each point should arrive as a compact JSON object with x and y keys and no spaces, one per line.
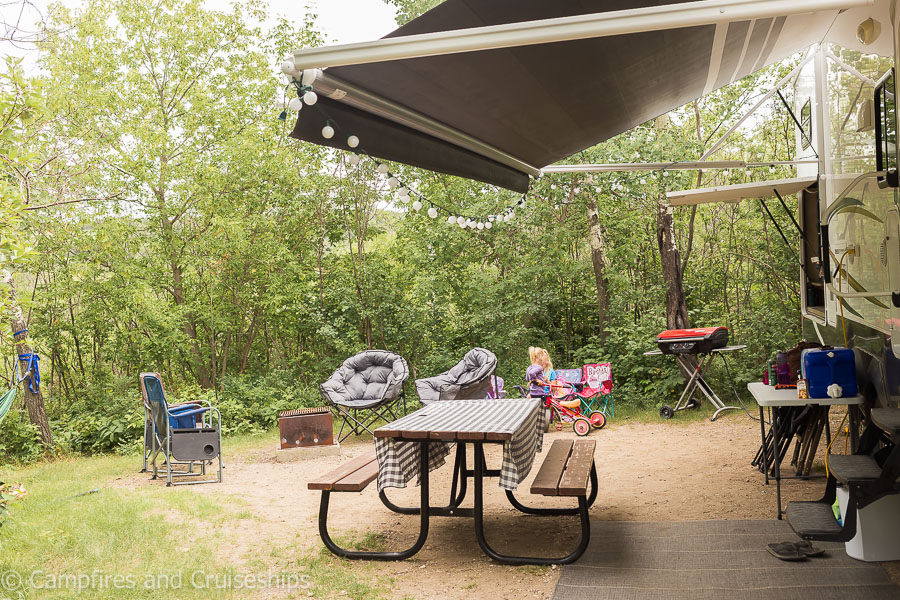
{"x":647,"y":472}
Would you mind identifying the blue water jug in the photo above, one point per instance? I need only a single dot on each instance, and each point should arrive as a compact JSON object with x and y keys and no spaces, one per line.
{"x":824,"y":366}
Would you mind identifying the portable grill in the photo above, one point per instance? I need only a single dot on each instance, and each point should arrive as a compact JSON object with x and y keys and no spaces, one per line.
{"x":702,"y":340}
{"x":305,"y":427}
{"x":692,"y":349}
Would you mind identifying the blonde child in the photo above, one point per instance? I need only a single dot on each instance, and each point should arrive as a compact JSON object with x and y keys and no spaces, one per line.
{"x":540,"y":372}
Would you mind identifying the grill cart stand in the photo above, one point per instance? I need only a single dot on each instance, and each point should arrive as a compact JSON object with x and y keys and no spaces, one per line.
{"x":696,"y":382}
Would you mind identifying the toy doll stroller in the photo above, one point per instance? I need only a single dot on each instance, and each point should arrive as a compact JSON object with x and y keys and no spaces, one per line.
{"x":564,"y":405}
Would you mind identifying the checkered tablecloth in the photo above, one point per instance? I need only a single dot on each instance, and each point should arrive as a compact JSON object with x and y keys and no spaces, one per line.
{"x":398,"y":460}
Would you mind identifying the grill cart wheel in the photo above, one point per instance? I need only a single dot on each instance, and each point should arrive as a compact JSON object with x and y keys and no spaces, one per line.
{"x":666,"y":412}
{"x":581,"y":426}
{"x":597,"y":419}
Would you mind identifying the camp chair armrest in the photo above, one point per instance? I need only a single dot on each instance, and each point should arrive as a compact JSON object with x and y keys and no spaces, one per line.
{"x":330,"y":387}
{"x":178,"y":408}
{"x":188,"y":413}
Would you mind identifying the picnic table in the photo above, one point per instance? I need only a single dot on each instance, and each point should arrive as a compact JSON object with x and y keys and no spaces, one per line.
{"x":414,"y":445}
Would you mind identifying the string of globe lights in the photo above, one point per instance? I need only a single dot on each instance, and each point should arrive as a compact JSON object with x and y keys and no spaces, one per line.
{"x":405,"y":193}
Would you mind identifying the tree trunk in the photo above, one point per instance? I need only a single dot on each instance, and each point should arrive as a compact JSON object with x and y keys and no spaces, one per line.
{"x":34,"y":401}
{"x":676,"y":306}
{"x":598,"y":259}
{"x":673,"y":276}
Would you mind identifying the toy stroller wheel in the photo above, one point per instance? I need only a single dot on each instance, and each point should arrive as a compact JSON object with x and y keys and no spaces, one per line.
{"x":598,"y":420}
{"x":581,"y":426}
{"x":666,"y":412}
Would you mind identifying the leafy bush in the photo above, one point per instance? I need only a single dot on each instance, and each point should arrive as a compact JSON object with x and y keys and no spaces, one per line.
{"x":640,"y":381}
{"x":19,"y":441}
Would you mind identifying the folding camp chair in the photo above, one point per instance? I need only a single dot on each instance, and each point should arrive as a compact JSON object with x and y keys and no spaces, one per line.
{"x":175,"y":421}
{"x":597,"y":386}
{"x":178,"y":438}
{"x":496,"y":392}
{"x":468,"y":379}
{"x":371,"y":381}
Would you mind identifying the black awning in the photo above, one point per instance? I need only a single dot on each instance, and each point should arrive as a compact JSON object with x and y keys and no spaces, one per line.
{"x":545,"y":102}
{"x":390,"y":141}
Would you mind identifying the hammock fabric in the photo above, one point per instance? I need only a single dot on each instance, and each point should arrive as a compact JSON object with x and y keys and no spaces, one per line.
{"x":6,"y":402}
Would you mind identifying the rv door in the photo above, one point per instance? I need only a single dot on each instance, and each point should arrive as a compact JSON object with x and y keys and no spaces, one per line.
{"x":890,"y":257}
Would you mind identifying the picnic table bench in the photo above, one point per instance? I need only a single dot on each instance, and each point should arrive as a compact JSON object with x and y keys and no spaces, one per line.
{"x":353,"y":476}
{"x":568,"y":470}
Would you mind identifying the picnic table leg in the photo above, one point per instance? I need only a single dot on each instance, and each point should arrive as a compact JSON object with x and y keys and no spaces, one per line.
{"x":555,"y":511}
{"x":358,"y":554}
{"x":459,"y":479}
{"x":522,"y":560}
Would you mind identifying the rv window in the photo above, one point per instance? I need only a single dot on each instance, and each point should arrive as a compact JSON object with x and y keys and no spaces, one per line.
{"x":806,"y":124}
{"x":886,"y":130}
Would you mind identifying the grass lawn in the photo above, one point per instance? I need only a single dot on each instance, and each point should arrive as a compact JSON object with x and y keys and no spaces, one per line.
{"x":80,"y":533}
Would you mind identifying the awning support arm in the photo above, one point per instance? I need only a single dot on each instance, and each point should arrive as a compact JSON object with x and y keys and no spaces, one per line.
{"x":672,"y":166}
{"x":797,"y":122}
{"x":789,"y":213}
{"x":784,"y":237}
{"x":756,"y":106}
{"x":848,"y":68}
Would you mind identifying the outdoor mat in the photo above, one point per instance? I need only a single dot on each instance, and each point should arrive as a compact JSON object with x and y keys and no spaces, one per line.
{"x":712,"y":560}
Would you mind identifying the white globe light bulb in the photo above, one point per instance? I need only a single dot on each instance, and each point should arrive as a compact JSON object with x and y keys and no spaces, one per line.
{"x":480,"y":225}
{"x":461,"y":221}
{"x":416,"y":205}
{"x":451,"y":220}
{"x":382,"y":168}
{"x":308,"y":76}
{"x":310,"y":98}
{"x":287,"y":67}
{"x":393,"y":182}
{"x":403,"y":199}
{"x":432,"y":212}
{"x":353,"y":141}
{"x":488,"y":225}
{"x":510,"y":216}
{"x":354,"y":159}
{"x":295,"y":105}
{"x":328,"y":132}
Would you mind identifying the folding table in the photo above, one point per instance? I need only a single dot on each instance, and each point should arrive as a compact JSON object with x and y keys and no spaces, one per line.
{"x":776,"y":399}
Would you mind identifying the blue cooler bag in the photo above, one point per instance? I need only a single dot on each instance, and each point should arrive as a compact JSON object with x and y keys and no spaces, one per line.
{"x":823,"y":366}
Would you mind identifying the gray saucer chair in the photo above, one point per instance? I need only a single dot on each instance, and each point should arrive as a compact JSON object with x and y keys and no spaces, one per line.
{"x":371,"y":383}
{"x":470,"y":378}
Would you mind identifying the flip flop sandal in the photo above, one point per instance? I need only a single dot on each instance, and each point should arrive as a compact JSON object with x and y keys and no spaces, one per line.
{"x":785,"y":551}
{"x":805,"y":548}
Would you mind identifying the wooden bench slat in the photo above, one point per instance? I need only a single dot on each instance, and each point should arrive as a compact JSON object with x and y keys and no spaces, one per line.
{"x":574,"y":480}
{"x":327,"y":481}
{"x":359,"y":479}
{"x":546,"y":482}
